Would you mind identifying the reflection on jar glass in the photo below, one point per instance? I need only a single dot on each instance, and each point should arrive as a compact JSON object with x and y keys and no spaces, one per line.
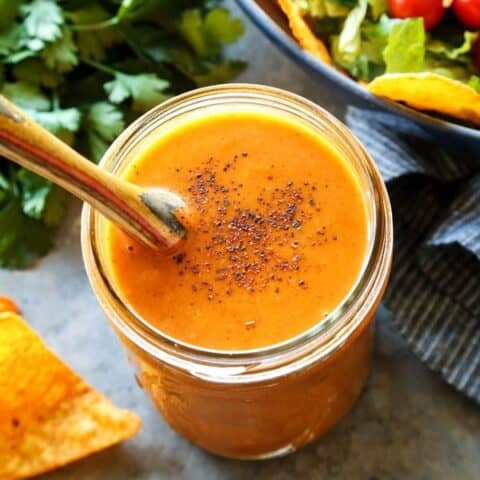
{"x":268,"y":401}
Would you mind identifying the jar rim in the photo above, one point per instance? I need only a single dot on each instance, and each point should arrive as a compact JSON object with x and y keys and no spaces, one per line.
{"x":311,"y":345}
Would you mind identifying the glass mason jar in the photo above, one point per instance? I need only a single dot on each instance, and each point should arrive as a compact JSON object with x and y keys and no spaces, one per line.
{"x":270,"y":401}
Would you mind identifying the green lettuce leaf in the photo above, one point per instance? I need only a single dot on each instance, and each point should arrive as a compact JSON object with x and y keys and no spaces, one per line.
{"x":452,"y":52}
{"x":344,"y":3}
{"x":368,"y":62}
{"x":453,"y":70}
{"x":378,"y":8}
{"x":349,"y":41}
{"x":474,"y":82}
{"x":405,"y":50}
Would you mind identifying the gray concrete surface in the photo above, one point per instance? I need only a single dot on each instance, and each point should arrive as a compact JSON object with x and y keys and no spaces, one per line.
{"x":408,"y":424}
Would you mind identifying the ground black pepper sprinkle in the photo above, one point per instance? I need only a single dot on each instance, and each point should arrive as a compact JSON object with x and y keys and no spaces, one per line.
{"x":248,"y":242}
{"x":179,"y":258}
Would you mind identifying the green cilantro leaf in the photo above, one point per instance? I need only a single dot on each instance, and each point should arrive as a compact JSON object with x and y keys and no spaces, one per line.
{"x":91,"y":36}
{"x":85,"y":68}
{"x":151,"y":42}
{"x":61,"y":55}
{"x":57,"y":120}
{"x":129,"y":9}
{"x":219,"y":73}
{"x":33,"y":70}
{"x":137,"y":10}
{"x":102,"y":123}
{"x":206,"y":34}
{"x":4,"y":188}
{"x":44,"y":20}
{"x":26,"y":95}
{"x":55,"y":206}
{"x":23,"y":239}
{"x":221,"y":27}
{"x":30,"y":208}
{"x":61,"y":122}
{"x":146,"y":90}
{"x":19,"y":56}
{"x":10,"y":39}
{"x":8,"y":12}
{"x":34,"y":193}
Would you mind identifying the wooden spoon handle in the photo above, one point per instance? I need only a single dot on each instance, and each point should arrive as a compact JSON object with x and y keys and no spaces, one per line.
{"x":146,"y":214}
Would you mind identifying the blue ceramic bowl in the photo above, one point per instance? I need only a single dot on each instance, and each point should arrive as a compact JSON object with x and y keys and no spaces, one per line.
{"x":271,"y":21}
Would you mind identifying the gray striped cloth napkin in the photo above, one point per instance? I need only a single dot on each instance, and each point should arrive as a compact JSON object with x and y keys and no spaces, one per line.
{"x":434,"y":291}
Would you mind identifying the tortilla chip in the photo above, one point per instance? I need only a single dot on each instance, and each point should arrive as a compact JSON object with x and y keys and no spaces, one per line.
{"x":8,"y":305}
{"x":432,"y":92}
{"x":302,"y":31}
{"x":48,"y":415}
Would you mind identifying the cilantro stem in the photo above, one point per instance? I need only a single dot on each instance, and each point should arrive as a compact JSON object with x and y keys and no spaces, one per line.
{"x":111,"y":22}
{"x":133,"y":47}
{"x":55,"y":101}
{"x":100,"y":66}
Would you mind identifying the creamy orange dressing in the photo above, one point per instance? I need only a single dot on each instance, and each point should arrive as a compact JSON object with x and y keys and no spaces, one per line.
{"x":277,"y":232}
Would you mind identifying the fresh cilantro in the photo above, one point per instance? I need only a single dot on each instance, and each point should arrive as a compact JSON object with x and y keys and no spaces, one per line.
{"x":219,"y":73}
{"x":146,"y":90}
{"x":34,"y":193}
{"x":34,"y":70}
{"x":43,"y":20}
{"x":26,"y":95}
{"x":92,"y":43}
{"x":61,"y":55}
{"x":30,"y":209}
{"x":23,"y":239}
{"x":84,"y":69}
{"x":102,"y":123}
{"x":54,"y":206}
{"x":10,"y":39}
{"x":161,"y":11}
{"x":61,"y":122}
{"x":221,"y":28}
{"x":131,"y":9}
{"x":207,"y":33}
{"x":8,"y":12}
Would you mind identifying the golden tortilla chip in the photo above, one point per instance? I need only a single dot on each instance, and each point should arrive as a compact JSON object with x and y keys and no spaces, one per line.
{"x":302,"y":31}
{"x":8,"y":305}
{"x":48,"y":415}
{"x":432,"y":92}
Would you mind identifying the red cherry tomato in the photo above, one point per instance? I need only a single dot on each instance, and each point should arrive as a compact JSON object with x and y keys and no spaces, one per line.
{"x":468,"y":12}
{"x":431,"y":11}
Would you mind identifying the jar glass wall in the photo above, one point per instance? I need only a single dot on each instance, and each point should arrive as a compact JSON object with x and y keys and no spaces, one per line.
{"x":269,"y":401}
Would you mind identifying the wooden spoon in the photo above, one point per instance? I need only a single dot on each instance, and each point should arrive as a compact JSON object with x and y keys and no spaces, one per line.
{"x":146,"y":213}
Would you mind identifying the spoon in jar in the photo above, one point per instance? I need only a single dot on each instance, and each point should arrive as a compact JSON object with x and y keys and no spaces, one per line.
{"x":146,"y":213}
